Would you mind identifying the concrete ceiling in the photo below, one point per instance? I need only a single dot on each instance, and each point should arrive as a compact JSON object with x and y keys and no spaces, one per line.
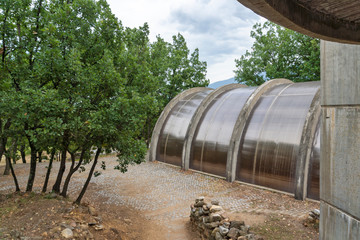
{"x":333,"y":20}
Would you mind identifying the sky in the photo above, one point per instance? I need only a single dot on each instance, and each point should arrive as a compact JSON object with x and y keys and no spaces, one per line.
{"x":219,"y":28}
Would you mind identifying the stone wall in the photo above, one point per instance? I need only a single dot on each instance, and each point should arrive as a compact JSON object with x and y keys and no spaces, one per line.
{"x":212,"y":223}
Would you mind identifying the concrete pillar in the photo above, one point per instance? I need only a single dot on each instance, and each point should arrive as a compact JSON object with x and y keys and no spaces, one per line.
{"x":340,"y":141}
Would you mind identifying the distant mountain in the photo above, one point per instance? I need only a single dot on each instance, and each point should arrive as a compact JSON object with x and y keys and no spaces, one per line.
{"x":222,"y":83}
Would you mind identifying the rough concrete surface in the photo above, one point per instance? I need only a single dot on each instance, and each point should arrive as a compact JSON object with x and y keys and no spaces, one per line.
{"x":340,"y":140}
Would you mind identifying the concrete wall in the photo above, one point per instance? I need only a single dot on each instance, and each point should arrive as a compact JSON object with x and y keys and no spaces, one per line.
{"x":340,"y":141}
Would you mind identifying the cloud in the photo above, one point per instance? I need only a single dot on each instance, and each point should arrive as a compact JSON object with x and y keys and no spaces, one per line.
{"x":220,"y":29}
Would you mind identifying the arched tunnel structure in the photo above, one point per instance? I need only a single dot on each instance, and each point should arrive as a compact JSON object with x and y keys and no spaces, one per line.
{"x":337,"y":23}
{"x":266,"y":136}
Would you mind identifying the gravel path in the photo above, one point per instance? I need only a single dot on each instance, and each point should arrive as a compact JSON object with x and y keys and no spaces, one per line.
{"x":163,"y":193}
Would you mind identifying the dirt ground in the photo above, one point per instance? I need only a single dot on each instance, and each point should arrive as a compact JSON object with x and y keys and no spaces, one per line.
{"x":150,"y":201}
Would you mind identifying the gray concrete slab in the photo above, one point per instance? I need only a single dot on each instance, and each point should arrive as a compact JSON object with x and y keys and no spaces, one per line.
{"x":336,"y":225}
{"x":340,"y":165}
{"x":340,"y":74}
{"x":340,"y":141}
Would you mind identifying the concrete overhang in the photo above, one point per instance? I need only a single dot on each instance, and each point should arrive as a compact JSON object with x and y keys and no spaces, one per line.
{"x":332,"y":20}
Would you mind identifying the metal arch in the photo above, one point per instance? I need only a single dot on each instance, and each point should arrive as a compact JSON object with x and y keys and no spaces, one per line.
{"x":163,"y":116}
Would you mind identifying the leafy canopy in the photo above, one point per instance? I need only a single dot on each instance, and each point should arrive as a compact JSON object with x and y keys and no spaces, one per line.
{"x":278,"y":53}
{"x":73,"y":78}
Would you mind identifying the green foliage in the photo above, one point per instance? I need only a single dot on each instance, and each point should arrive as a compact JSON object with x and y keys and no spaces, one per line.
{"x":73,"y":78}
{"x":278,"y":53}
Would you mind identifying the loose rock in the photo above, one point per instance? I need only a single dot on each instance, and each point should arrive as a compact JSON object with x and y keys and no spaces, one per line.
{"x":92,"y":211}
{"x":99,"y":227}
{"x":127,"y":221}
{"x":237,"y":224}
{"x":233,"y":233}
{"x":223,"y":231}
{"x":214,"y":217}
{"x":67,"y":233}
{"x":216,"y":208}
{"x":218,"y":236}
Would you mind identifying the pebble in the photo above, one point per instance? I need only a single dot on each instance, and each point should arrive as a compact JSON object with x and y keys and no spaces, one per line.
{"x":223,"y":231}
{"x":199,"y":199}
{"x":233,"y":233}
{"x":92,"y":211}
{"x":236,"y":224}
{"x":73,"y":224}
{"x":226,"y":224}
{"x":127,"y":221}
{"x":214,"y":217}
{"x":215,"y":208}
{"x":99,"y":227}
{"x":218,"y":236}
{"x":67,"y":233}
{"x":84,"y":227}
{"x":64,"y":225}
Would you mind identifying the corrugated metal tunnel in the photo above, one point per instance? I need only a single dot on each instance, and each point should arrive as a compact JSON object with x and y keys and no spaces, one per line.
{"x":266,"y":136}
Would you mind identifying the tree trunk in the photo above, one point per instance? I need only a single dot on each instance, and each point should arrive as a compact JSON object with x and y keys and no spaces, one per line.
{"x":14,"y":177}
{"x":72,"y":171}
{"x":14,"y":150}
{"x":7,"y":166}
{"x":39,"y":156}
{"x":22,"y":152}
{"x":48,"y":170}
{"x":56,"y":187}
{"x":57,"y":184}
{"x":3,"y":140}
{"x":32,"y":172}
{"x":1,"y":152}
{"x":78,"y":200}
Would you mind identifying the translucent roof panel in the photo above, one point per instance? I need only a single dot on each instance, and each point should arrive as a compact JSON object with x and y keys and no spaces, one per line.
{"x":314,"y":168}
{"x":271,"y":139}
{"x":213,"y":133}
{"x":172,"y":135}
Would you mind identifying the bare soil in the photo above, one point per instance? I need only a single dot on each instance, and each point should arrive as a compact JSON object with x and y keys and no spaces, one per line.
{"x":39,"y":216}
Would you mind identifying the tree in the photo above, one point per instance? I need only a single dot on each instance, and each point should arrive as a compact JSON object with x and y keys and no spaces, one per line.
{"x":278,"y":53}
{"x":185,"y":70}
{"x":159,"y":70}
{"x":73,"y":79}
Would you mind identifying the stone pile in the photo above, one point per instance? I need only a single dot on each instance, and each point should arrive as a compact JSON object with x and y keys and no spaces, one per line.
{"x":79,"y":221}
{"x":314,"y":215}
{"x":211,"y":222}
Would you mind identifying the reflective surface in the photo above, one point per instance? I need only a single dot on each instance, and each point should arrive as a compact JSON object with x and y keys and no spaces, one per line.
{"x":172,"y":135}
{"x":270,"y":144}
{"x":213,"y":133}
{"x":314,"y":168}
